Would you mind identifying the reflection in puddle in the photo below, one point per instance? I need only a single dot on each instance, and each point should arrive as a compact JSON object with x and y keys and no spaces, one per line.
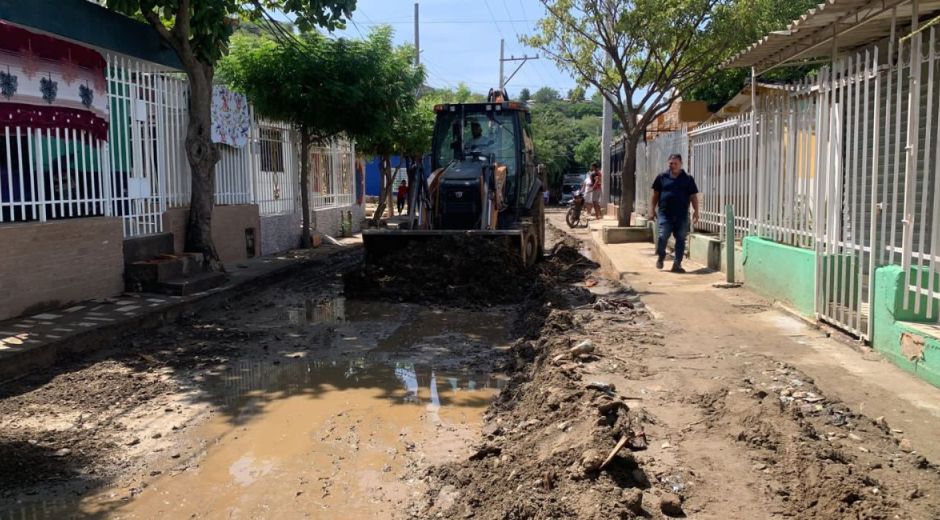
{"x":338,"y":433}
{"x":243,"y":389}
{"x":247,"y":470}
{"x":330,"y":311}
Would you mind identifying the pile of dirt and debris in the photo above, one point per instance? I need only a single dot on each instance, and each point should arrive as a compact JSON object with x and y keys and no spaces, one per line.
{"x":557,"y":444}
{"x":453,"y":270}
{"x":563,"y":441}
{"x":819,"y":458}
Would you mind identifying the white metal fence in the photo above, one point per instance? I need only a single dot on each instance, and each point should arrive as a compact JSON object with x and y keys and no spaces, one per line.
{"x":652,"y":159}
{"x":332,"y":174}
{"x":844,"y":163}
{"x":51,"y":174}
{"x":916,"y":214}
{"x":275,"y":173}
{"x":141,"y":170}
{"x":718,"y":159}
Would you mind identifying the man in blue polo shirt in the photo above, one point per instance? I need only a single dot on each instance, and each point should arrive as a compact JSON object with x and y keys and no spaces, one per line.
{"x":673,"y":192}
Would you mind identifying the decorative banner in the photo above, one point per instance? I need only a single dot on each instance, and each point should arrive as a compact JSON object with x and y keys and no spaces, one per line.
{"x":46,"y":82}
{"x":231,"y":121}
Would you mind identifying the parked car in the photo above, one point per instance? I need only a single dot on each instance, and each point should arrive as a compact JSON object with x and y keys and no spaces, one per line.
{"x":571,"y":183}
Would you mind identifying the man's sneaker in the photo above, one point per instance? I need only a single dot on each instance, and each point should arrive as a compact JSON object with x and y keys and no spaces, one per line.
{"x":659,"y":263}
{"x":677,"y":269}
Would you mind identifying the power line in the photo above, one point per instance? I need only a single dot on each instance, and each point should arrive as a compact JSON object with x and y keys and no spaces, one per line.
{"x":357,"y":28}
{"x":511,"y":23}
{"x":493,"y":18}
{"x":447,"y":22}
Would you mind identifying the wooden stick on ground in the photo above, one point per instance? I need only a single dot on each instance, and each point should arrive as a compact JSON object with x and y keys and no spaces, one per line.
{"x":620,"y":444}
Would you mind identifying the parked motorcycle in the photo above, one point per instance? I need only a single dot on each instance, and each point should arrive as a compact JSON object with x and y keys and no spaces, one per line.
{"x":573,"y":216}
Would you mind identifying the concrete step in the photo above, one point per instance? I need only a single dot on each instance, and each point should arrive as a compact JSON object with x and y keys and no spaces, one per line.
{"x":146,"y":275}
{"x":145,"y":247}
{"x":192,"y":284}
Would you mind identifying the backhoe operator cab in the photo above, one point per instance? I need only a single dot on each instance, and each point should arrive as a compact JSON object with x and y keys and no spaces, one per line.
{"x":486,"y":149}
{"x":484,"y":182}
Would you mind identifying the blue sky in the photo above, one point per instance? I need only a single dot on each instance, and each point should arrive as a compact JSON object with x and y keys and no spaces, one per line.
{"x":460,"y":40}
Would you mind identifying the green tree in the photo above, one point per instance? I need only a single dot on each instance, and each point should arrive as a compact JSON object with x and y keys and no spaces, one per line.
{"x":576,"y":94}
{"x":399,"y":126}
{"x":463,"y":94}
{"x":525,"y":95}
{"x":314,"y":83}
{"x":588,"y":151}
{"x":199,"y":32}
{"x":639,"y":54}
{"x":559,"y":128}
{"x":546,"y":95}
{"x":752,"y":20}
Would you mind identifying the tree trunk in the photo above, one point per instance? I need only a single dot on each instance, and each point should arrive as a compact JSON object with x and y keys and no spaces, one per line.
{"x":415,"y":178}
{"x":385,"y":190}
{"x":305,"y":241}
{"x":202,"y":155}
{"x":627,"y":181}
{"x":389,"y":183}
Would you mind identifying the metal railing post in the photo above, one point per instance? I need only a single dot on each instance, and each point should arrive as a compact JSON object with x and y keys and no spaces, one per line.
{"x":729,"y":243}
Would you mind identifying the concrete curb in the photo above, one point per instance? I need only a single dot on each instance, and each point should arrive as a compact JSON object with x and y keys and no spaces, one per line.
{"x":85,"y":341}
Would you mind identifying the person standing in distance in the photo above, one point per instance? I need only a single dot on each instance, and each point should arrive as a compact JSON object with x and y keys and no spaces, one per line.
{"x":597,"y":188}
{"x":673,"y":191}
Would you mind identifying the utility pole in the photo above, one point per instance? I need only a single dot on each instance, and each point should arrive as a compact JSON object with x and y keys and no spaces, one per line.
{"x":502,"y":60}
{"x":503,"y":80}
{"x":417,"y":39}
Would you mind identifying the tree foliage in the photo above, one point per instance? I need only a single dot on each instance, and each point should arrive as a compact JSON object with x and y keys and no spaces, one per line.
{"x":322,"y":87}
{"x":525,"y":95}
{"x":639,"y":54}
{"x":317,"y":85}
{"x":576,"y":94}
{"x":559,"y":128}
{"x":588,"y":151}
{"x":546,"y":95}
{"x":751,"y":19}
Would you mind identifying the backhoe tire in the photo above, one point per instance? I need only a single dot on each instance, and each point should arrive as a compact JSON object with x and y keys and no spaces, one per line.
{"x":530,"y":249}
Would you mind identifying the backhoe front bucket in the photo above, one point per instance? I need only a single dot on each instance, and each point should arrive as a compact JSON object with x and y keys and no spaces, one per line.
{"x":380,"y":243}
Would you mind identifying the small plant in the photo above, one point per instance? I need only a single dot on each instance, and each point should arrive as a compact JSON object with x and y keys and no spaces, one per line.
{"x":8,"y":84}
{"x":87,"y":95}
{"x":49,"y":89}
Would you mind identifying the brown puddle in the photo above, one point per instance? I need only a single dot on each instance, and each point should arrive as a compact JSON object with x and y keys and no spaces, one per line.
{"x":339,"y":432}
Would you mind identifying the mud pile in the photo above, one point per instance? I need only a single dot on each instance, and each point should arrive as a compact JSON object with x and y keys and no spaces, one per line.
{"x":551,"y":441}
{"x":559,"y":442}
{"x":452,"y":270}
{"x":818,"y":457}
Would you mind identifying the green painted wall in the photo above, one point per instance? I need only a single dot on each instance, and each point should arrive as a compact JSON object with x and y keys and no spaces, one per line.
{"x":892,"y":320}
{"x":782,"y":273}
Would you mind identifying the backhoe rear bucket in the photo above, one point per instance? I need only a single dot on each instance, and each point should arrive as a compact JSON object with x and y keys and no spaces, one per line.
{"x":379,"y":243}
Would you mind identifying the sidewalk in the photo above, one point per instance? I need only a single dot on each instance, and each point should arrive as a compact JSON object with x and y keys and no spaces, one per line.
{"x":31,"y":342}
{"x":697,"y":318}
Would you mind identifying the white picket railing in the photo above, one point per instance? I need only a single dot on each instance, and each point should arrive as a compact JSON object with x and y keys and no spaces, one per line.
{"x":718,"y":160}
{"x":332,"y":174}
{"x":275,"y":173}
{"x":52,"y":174}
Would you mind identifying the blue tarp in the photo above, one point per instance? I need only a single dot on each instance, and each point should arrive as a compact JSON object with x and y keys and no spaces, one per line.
{"x":373,"y":174}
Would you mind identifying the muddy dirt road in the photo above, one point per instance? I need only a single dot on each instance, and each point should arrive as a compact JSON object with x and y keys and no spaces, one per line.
{"x":301,"y":402}
{"x":290,"y":403}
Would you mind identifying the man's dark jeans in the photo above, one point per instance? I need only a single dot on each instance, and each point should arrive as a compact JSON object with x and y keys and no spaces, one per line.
{"x":678,"y":227}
